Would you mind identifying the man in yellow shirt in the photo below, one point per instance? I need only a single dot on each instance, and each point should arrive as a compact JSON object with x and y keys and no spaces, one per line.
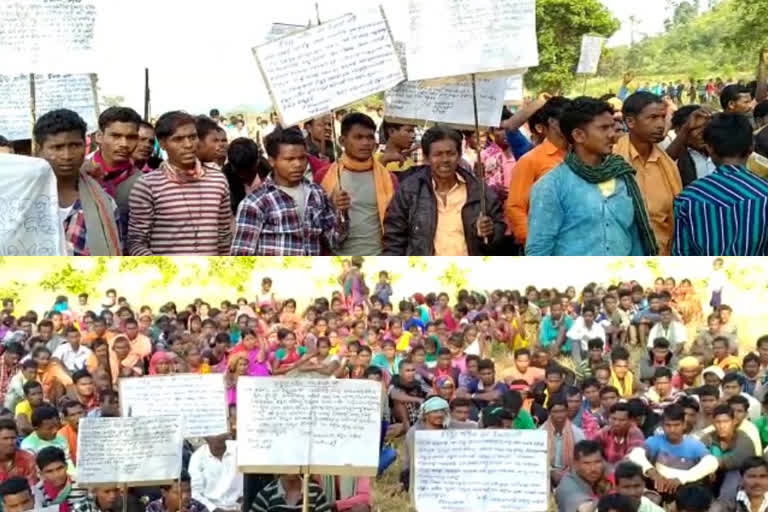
{"x":398,"y":138}
{"x":33,"y":397}
{"x":657,"y":174}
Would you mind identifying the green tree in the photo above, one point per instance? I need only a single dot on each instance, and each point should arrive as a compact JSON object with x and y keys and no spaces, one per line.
{"x":560,"y":27}
{"x":750,"y":34}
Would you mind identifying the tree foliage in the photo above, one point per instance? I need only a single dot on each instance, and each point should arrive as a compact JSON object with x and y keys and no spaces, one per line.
{"x":560,"y":27}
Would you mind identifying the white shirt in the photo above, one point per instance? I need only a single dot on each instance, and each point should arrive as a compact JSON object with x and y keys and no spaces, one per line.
{"x":580,"y":332}
{"x":703,"y":164}
{"x":216,"y":483}
{"x":71,"y":359}
{"x":675,"y":334}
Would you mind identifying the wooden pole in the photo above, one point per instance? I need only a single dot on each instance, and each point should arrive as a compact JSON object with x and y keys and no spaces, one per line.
{"x":33,"y":111}
{"x":146,"y":94}
{"x":584,"y":92}
{"x":317,"y":12}
{"x":479,"y":166}
{"x":125,"y":498}
{"x":305,"y":491}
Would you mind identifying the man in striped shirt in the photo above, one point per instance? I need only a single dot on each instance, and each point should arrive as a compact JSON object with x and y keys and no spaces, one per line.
{"x":725,"y":213}
{"x":182,"y":207}
{"x":284,"y":495}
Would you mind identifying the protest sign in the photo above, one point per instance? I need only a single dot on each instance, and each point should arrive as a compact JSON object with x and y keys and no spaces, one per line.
{"x":199,"y":398}
{"x":315,"y":71}
{"x":481,"y":36}
{"x":331,"y":427}
{"x":47,"y":36}
{"x":591,"y":48}
{"x":278,"y":30}
{"x":129,"y":451}
{"x":29,"y":208}
{"x":489,"y":470}
{"x":448,"y":103}
{"x":514,"y":92}
{"x":52,"y":91}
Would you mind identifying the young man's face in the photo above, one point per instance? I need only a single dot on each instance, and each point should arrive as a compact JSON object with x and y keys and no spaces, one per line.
{"x":708,"y":404}
{"x":755,"y":481}
{"x":592,"y":395}
{"x":654,"y":304}
{"x":610,"y":304}
{"x":84,"y":386}
{"x":119,"y":141}
{"x":739,"y":413}
{"x":487,"y":376}
{"x":359,"y":142}
{"x":74,"y":413}
{"x":633,"y":488}
{"x":177,"y":496}
{"x":649,"y":124}
{"x":522,"y":362}
{"x":444,"y":158}
{"x":35,"y":396}
{"x":20,"y":502}
{"x":663,"y":386}
{"x":290,"y":163}
{"x":730,"y":389}
{"x":607,"y":400}
{"x":554,"y":382}
{"x":47,"y":429}
{"x":144,"y":145}
{"x":666,"y":317}
{"x":674,"y":430}
{"x":181,"y":146}
{"x":574,"y":405}
{"x":65,"y":152}
{"x":660,"y":353}
{"x":596,"y":354}
{"x":620,"y":368}
{"x":724,"y":426}
{"x":626,"y":302}
{"x":719,"y":350}
{"x":590,"y":467}
{"x":460,"y":413}
{"x":691,"y":416}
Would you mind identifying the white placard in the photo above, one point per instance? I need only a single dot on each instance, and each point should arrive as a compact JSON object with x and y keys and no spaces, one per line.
{"x":73,"y":92}
{"x":490,"y":470}
{"x":591,"y":48}
{"x":459,"y":37}
{"x":329,"y":66}
{"x":200,"y":399}
{"x":514,"y":92}
{"x":278,"y":30}
{"x":333,"y":426}
{"x":129,"y":450}
{"x":450,"y":103}
{"x":29,"y":208}
{"x":47,"y":36}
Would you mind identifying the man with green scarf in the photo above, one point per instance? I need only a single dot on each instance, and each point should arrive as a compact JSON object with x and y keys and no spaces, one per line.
{"x":591,"y":204}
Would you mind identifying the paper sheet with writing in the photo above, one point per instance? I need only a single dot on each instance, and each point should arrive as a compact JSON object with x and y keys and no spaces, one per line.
{"x":52,"y":91}
{"x":449,"y":38}
{"x":591,"y":48}
{"x":278,"y":30}
{"x":129,"y":450}
{"x":328,"y":66}
{"x":333,"y":424}
{"x":449,"y":103}
{"x":514,"y":92}
{"x":487,"y":470}
{"x":29,"y":208}
{"x":47,"y":36}
{"x":200,"y":399}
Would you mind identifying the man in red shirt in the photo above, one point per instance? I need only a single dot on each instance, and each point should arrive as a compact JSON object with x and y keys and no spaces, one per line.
{"x":620,"y":436}
{"x":14,"y":462}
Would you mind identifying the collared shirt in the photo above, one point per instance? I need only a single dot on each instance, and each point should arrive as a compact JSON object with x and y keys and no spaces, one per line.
{"x":744,"y":505}
{"x":535,"y":164}
{"x":724,"y":214}
{"x":549,"y":329}
{"x":615,"y":448}
{"x":659,"y":181}
{"x":216,"y":483}
{"x":572,"y":217}
{"x":52,"y":374}
{"x":272,"y":499}
{"x":268,"y":223}
{"x":449,"y":235}
{"x":703,"y":163}
{"x":75,"y":231}
{"x":33,"y":444}
{"x":159,"y":506}
{"x":72,"y":359}
{"x":675,"y":334}
{"x":581,"y":333}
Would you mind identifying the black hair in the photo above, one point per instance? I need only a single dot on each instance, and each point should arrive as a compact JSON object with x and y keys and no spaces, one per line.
{"x":615,"y":503}
{"x":170,"y":122}
{"x":245,"y":161}
{"x":58,"y":121}
{"x":729,"y":135}
{"x":731,"y":377}
{"x":356,"y":118}
{"x":673,"y":412}
{"x":118,"y":115}
{"x":67,"y":404}
{"x":204,"y":126}
{"x":619,"y":354}
{"x":8,"y":424}
{"x":552,"y":109}
{"x":460,"y":402}
{"x":750,"y":357}
{"x":14,"y":348}
{"x":608,"y":390}
{"x":50,"y":454}
{"x":142,"y":124}
{"x":14,"y":485}
{"x":660,"y":373}
{"x":375,"y":370}
{"x":280,"y":137}
{"x":750,"y":463}
{"x":590,"y":382}
{"x":214,"y":112}
{"x":183,"y":477}
{"x":553,"y":369}
{"x":661,"y":342}
{"x":557,"y":400}
{"x":595,"y":343}
{"x":619,"y":407}
{"x":637,"y":408}
{"x":512,"y":401}
{"x":29,"y":363}
{"x":5,"y":143}
{"x":707,"y":390}
{"x":637,"y":102}
{"x":739,"y":399}
{"x":571,"y":391}
{"x":688,"y":402}
{"x":437,"y":134}
{"x":42,"y":413}
{"x":483,"y":364}
{"x":680,"y":117}
{"x":81,"y":374}
{"x":30,"y":385}
{"x":731,"y":93}
{"x":586,"y":447}
{"x":723,"y":409}
{"x":579,"y":113}
{"x":693,"y":498}
{"x":761,"y":110}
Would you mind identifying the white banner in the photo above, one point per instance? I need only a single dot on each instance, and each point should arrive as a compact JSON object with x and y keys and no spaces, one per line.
{"x":591,"y":48}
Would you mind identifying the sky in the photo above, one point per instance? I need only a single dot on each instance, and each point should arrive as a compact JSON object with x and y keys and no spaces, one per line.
{"x":199,"y":53}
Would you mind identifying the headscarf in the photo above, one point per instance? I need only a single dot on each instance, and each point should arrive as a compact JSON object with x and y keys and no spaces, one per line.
{"x":157,"y":358}
{"x":715,"y":369}
{"x":435,"y":404}
{"x":442,"y":381}
{"x":688,"y":363}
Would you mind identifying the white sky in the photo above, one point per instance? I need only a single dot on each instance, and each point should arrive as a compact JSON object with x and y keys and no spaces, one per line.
{"x":199,"y":53}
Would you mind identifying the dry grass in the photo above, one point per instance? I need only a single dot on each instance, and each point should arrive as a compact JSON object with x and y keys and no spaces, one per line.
{"x":387,"y":496}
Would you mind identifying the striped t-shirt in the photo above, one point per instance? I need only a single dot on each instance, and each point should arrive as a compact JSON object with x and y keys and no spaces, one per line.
{"x":169,"y":218}
{"x":272,"y":499}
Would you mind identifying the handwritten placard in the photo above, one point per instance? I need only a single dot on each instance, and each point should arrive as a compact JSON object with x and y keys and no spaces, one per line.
{"x":199,"y":399}
{"x":129,"y":450}
{"x":450,"y":103}
{"x":448,"y":38}
{"x":488,"y":470}
{"x":328,"y":66}
{"x":29,"y":208}
{"x":278,"y":30}
{"x":514,"y":92}
{"x":333,"y":426}
{"x":15,"y":107}
{"x":47,"y":36}
{"x":591,"y":48}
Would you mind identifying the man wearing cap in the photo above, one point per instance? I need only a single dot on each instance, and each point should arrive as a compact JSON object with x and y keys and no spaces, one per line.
{"x":688,"y":375}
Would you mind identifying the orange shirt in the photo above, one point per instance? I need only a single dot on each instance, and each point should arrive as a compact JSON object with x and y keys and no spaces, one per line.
{"x":449,"y":235}
{"x":52,"y":374}
{"x":141,"y":348}
{"x":68,"y":433}
{"x":659,"y":181}
{"x":529,"y":169}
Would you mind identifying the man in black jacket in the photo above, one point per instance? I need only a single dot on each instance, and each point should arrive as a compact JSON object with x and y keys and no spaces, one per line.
{"x":436,"y":210}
